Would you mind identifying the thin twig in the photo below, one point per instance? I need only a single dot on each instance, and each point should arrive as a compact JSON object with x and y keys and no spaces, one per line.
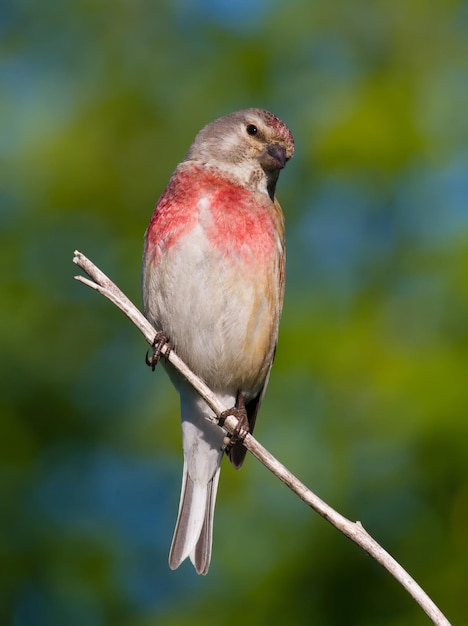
{"x":354,"y":530}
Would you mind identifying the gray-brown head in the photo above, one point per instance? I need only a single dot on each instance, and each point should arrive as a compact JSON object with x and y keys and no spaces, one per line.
{"x":250,"y":146}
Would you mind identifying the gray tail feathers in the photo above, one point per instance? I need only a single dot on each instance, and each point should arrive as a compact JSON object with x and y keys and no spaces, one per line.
{"x":194,"y":528}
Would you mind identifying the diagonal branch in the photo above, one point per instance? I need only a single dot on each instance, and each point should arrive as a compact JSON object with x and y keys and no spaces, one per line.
{"x":354,"y":530}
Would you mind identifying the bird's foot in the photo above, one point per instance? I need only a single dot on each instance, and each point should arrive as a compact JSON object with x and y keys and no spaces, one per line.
{"x":159,"y":341}
{"x":242,"y":429}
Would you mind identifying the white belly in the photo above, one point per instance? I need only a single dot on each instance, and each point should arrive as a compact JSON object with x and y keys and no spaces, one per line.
{"x":215,"y":312}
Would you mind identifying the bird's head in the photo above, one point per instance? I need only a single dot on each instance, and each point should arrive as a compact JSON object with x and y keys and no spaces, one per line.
{"x":250,"y":146}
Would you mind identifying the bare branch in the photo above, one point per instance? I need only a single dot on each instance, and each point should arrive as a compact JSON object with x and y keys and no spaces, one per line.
{"x":354,"y":530}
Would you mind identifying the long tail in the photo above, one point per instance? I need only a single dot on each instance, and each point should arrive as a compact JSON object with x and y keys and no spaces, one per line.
{"x":202,"y":442}
{"x":194,"y":528}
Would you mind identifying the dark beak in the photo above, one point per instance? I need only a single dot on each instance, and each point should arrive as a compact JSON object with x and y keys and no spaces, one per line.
{"x":273,"y":158}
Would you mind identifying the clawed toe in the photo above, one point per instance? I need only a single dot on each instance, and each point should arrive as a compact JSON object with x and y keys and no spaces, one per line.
{"x":159,"y":341}
{"x":242,"y":429}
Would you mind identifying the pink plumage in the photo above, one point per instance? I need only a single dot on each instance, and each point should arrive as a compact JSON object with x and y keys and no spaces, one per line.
{"x":213,"y":282}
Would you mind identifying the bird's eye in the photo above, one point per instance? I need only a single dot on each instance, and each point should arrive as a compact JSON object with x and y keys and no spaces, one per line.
{"x":252,"y":130}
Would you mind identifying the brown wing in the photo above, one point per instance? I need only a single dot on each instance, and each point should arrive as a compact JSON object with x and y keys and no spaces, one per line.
{"x":238,"y":451}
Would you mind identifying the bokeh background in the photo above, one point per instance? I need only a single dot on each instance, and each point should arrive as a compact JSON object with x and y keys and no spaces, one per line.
{"x":368,"y":397}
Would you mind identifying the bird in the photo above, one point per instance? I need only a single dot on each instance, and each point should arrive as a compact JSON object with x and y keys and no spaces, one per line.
{"x":213,"y":278}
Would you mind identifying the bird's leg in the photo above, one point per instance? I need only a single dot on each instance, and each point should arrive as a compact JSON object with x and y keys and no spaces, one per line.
{"x":159,"y":341}
{"x":242,"y":429}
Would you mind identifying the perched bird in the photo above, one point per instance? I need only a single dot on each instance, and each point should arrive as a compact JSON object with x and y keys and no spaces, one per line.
{"x":213,"y":283}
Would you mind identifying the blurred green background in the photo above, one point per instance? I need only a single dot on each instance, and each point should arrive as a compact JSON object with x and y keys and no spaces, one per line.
{"x":368,"y":398}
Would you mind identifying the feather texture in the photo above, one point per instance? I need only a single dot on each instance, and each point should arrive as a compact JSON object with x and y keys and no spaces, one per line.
{"x":213,"y":281}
